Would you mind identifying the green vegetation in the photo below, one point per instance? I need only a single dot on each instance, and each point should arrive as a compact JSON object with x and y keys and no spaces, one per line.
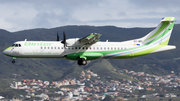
{"x":7,"y":92}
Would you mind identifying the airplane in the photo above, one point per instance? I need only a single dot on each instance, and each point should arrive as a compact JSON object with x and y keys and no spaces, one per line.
{"x":90,"y":48}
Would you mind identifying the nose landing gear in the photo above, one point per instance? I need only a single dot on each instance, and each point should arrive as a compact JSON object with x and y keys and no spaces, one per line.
{"x":13,"y":61}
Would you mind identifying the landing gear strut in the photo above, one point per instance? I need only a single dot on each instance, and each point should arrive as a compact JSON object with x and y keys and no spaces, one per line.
{"x":82,"y":61}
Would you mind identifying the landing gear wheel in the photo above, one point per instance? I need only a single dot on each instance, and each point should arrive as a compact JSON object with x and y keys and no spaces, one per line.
{"x":79,"y":63}
{"x":82,"y":61}
{"x":13,"y":61}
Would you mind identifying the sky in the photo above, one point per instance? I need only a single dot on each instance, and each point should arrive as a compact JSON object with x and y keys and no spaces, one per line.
{"x":17,"y":15}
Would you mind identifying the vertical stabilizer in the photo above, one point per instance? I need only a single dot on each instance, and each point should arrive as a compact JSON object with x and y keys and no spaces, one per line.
{"x":161,"y":34}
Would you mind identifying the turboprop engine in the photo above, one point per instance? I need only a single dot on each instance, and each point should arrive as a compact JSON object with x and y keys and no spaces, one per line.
{"x":73,"y":42}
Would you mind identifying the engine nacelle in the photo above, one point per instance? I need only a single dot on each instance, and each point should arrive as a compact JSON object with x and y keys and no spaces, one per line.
{"x":73,"y":42}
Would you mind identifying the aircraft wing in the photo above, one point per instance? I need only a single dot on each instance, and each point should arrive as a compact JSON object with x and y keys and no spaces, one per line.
{"x":90,"y":39}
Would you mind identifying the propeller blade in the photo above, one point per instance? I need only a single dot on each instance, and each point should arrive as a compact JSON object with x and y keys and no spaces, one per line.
{"x":57,"y":37}
{"x":64,"y":39}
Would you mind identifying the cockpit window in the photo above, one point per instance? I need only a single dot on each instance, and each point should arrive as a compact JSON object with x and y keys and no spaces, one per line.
{"x":13,"y":45}
{"x":17,"y":45}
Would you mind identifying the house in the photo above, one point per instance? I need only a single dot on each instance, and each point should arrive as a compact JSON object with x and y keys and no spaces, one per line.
{"x":1,"y":97}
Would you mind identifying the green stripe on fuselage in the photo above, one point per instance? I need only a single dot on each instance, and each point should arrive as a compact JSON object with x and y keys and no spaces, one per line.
{"x":9,"y":48}
{"x":92,"y":55}
{"x":142,"y":53}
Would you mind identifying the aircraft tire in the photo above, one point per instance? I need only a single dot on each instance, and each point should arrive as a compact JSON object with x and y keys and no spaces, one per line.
{"x":79,"y":63}
{"x":13,"y":61}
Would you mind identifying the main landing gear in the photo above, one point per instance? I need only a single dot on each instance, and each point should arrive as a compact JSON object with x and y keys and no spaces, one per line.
{"x":13,"y":61}
{"x":82,"y":61}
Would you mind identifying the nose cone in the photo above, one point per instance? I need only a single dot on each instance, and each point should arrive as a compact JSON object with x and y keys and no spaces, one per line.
{"x":4,"y":52}
{"x":8,"y":51}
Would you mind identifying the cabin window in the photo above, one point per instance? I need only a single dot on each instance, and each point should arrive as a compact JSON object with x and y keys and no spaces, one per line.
{"x":75,"y":47}
{"x":58,"y":47}
{"x":90,"y":48}
{"x":54,"y":47}
{"x":19,"y":45}
{"x":86,"y":47}
{"x":108,"y":48}
{"x":72,"y":47}
{"x":83,"y":48}
{"x":79,"y":47}
{"x":97,"y":48}
{"x":44,"y":47}
{"x":48,"y":47}
{"x":61,"y":47}
{"x":101,"y":48}
{"x":104,"y":48}
{"x":41,"y":47}
{"x":51,"y":47}
{"x":94,"y":48}
{"x":111,"y":48}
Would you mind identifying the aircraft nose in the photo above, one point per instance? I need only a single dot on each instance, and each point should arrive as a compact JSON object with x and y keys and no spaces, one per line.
{"x":5,"y":52}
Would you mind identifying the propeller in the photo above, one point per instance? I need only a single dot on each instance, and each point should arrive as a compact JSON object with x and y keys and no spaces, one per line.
{"x":64,"y":39}
{"x":57,"y":37}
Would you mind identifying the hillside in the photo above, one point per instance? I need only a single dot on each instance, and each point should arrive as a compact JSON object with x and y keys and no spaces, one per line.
{"x":55,"y":69}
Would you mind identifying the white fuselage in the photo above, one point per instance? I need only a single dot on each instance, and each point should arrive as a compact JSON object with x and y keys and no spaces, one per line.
{"x":55,"y":49}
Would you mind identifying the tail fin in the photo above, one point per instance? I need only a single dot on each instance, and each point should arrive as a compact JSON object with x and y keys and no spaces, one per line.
{"x":161,"y":34}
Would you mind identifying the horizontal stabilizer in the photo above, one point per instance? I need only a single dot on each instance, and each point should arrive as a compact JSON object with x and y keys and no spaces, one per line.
{"x":165,"y":48}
